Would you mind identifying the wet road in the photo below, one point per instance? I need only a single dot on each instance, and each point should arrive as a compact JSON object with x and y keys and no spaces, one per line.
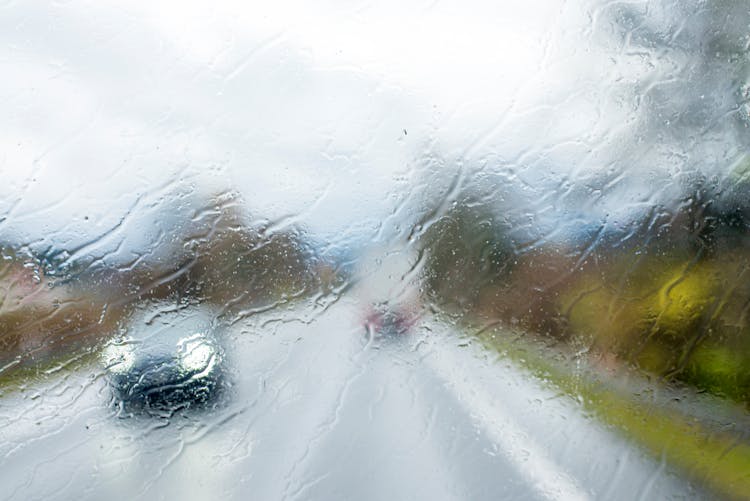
{"x":317,"y":409}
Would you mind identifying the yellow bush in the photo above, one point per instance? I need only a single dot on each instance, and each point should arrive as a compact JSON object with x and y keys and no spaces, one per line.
{"x":685,"y":295}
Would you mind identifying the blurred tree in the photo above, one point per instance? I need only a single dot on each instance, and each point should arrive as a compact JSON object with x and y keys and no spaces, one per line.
{"x":699,"y":66}
{"x":467,"y":250}
{"x":54,"y":306}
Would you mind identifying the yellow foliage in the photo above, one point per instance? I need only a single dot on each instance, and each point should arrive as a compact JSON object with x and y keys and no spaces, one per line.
{"x":686,"y":294}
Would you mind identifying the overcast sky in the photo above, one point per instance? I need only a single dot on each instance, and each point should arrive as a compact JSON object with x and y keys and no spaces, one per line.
{"x":329,"y":116}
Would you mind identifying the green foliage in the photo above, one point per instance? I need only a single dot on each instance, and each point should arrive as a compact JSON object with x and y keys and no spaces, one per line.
{"x":467,"y":251}
{"x":675,"y":306}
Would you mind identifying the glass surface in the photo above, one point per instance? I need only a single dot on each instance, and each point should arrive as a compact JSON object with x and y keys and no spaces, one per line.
{"x":389,"y":250}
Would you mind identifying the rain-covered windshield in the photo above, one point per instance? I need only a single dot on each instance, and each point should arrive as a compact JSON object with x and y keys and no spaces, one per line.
{"x":391,"y":250}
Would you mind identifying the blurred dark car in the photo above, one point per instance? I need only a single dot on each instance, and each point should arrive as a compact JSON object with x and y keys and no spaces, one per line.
{"x":180,"y":366}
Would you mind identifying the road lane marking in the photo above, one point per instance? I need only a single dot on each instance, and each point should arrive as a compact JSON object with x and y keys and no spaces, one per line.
{"x":526,"y":455}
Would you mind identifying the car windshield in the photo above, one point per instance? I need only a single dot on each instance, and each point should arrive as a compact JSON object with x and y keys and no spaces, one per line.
{"x":390,"y":250}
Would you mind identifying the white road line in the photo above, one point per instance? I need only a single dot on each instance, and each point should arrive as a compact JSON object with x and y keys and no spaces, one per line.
{"x":528,"y":457}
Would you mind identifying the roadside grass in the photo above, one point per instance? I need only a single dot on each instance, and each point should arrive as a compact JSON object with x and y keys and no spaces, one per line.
{"x":21,"y":378}
{"x":717,"y":459}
